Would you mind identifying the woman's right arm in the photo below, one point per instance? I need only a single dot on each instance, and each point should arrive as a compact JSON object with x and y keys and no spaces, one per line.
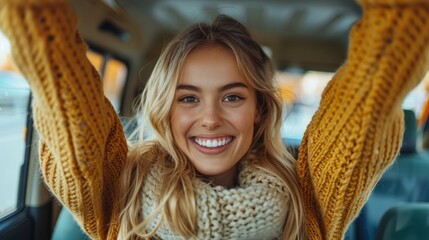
{"x":82,"y":144}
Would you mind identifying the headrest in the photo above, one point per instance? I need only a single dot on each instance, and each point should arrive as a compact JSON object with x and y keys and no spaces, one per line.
{"x":410,"y":133}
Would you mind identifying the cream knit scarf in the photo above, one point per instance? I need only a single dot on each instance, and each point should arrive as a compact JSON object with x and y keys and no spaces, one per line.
{"x":256,"y":209}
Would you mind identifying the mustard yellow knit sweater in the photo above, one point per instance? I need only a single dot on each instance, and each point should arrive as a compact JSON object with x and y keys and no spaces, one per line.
{"x":351,"y":140}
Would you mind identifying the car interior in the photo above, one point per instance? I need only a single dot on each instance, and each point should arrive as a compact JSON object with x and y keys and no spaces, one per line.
{"x":307,"y":41}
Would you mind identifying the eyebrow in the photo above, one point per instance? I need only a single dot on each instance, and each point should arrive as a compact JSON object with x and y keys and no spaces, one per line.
{"x":223,"y":88}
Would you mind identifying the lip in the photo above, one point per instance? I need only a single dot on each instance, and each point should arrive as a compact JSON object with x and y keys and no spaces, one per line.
{"x":211,"y":150}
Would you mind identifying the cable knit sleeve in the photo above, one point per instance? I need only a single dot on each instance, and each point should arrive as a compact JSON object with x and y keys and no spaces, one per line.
{"x":82,"y":144}
{"x":357,"y":131}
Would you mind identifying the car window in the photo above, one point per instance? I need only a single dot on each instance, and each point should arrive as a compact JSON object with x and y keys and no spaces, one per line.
{"x":113,"y":72}
{"x":14,"y":98}
{"x":301,"y":93}
{"x":14,"y":102}
{"x":416,"y":98}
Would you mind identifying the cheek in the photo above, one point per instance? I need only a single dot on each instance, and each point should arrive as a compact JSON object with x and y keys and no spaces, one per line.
{"x":244,"y":121}
{"x":180,"y":123}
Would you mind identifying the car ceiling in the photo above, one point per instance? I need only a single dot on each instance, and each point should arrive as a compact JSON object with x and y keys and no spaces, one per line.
{"x":302,"y":33}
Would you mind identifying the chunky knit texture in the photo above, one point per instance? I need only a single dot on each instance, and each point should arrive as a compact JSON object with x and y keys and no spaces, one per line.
{"x":351,"y":140}
{"x":255,"y":210}
{"x":82,"y":144}
{"x":356,"y":133}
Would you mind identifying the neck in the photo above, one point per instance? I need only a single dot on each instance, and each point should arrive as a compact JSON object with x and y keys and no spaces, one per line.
{"x":227,"y":179}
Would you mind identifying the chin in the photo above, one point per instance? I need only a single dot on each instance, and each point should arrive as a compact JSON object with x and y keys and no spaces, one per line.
{"x":210,"y":171}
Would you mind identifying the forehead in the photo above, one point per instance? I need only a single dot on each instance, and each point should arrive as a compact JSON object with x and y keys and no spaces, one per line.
{"x":210,"y":63}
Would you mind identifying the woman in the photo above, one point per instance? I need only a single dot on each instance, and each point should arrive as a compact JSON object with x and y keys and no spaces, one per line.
{"x":212,"y":103}
{"x":169,"y":187}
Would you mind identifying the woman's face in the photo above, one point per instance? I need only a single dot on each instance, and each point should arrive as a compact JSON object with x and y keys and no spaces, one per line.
{"x":214,"y":113}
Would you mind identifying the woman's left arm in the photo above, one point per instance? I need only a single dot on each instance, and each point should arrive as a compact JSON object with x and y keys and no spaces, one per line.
{"x":357,"y":131}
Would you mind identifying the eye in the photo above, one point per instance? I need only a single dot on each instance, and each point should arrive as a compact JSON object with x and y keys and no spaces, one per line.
{"x":232,"y":98}
{"x":188,"y":99}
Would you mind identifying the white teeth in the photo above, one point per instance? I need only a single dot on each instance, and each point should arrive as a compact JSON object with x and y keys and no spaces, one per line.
{"x":212,"y":143}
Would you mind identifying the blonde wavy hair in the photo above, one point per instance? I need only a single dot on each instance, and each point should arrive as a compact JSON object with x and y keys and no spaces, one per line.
{"x":177,"y":205}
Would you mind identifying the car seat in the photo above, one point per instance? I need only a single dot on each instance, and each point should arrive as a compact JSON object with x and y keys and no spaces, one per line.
{"x":407,"y":222}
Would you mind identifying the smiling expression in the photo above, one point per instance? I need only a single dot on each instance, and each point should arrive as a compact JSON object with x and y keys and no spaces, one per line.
{"x":214,"y":113}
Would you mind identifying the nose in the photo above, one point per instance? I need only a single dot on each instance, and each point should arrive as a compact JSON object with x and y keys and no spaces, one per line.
{"x":211,"y":118}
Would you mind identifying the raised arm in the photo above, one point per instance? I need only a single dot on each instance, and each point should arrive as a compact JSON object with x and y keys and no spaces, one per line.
{"x":357,"y":131}
{"x":82,"y":145}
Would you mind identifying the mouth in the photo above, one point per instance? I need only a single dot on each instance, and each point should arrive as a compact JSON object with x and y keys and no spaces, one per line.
{"x":212,"y":142}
